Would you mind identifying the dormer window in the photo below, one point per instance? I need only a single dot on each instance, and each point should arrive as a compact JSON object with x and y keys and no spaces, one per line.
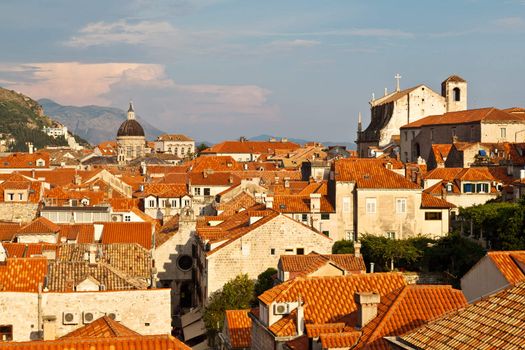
{"x":449,"y":187}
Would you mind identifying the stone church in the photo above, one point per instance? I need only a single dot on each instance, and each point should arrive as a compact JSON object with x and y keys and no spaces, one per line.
{"x":131,"y":141}
{"x":390,"y":112}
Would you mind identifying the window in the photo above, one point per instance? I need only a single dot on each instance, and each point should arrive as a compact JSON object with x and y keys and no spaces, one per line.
{"x":468,"y":188}
{"x":206,"y":191}
{"x":401,"y":205}
{"x":370,"y":205}
{"x":197,"y":191}
{"x":6,"y":332}
{"x":304,"y":217}
{"x":326,"y":233}
{"x":476,"y":188}
{"x":11,"y":196}
{"x":272,"y":251}
{"x":350,"y":236}
{"x":152,"y":203}
{"x":187,"y":203}
{"x":503,"y":132}
{"x":300,"y":251}
{"x":457,"y":94}
{"x":346,"y":204}
{"x":174,"y":203}
{"x":325,"y":216}
{"x":431,"y":134}
{"x":472,"y":133}
{"x":20,"y":196}
{"x":482,"y":188}
{"x":288,"y":251}
{"x":433,"y":215}
{"x":449,"y":187}
{"x":127,"y":218}
{"x":391,"y":235}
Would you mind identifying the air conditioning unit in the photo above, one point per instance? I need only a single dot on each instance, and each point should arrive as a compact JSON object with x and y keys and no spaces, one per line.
{"x":88,"y":317}
{"x":114,"y":316}
{"x":70,"y":318}
{"x":281,"y":309}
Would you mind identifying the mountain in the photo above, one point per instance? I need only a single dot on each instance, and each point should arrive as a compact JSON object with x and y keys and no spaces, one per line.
{"x":349,"y":145}
{"x":94,"y":123}
{"x":22,"y":119}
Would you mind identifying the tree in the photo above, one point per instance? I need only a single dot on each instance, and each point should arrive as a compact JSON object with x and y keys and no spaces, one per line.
{"x":343,"y":247}
{"x":201,"y":147}
{"x":265,"y":281}
{"x":235,"y":294}
{"x":385,"y":252}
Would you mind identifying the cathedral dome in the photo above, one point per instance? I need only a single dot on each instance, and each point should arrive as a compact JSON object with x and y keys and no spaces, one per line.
{"x":130,"y":128}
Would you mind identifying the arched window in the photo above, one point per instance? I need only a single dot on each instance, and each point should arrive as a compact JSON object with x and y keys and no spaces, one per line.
{"x":457,"y":94}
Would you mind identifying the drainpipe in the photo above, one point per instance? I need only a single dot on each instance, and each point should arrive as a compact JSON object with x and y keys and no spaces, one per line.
{"x":39,"y":310}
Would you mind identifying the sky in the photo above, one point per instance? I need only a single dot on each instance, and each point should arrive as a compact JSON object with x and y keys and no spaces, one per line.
{"x":221,"y":69}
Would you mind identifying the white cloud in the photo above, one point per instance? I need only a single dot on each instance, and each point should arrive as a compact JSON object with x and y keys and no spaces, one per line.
{"x":511,"y":23}
{"x":296,"y":43}
{"x":159,"y":98}
{"x":143,"y":32}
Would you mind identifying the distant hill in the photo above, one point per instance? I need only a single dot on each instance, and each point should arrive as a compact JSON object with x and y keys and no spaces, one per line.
{"x":23,"y":119}
{"x":349,"y":145}
{"x":94,"y":123}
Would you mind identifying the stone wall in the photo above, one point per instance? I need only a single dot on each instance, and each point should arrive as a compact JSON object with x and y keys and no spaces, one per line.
{"x":144,"y":311}
{"x":18,"y":212}
{"x":252,"y":253}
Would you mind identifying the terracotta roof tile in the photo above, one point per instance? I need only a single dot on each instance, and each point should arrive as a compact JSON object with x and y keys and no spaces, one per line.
{"x":241,"y":201}
{"x":22,"y":274}
{"x":239,"y":328}
{"x":8,"y":230}
{"x":165,"y":190}
{"x":128,"y":232}
{"x":440,"y":152}
{"x":489,"y":114}
{"x":370,"y":173}
{"x":256,"y":147}
{"x":173,"y":137}
{"x":143,"y":342}
{"x":300,"y":204}
{"x":497,"y":322}
{"x":305,"y":264}
{"x":505,"y":261}
{"x":341,"y":340}
{"x":26,"y":250}
{"x":213,"y":179}
{"x":39,"y":226}
{"x":103,"y":327}
{"x":430,"y":201}
{"x":24,"y":160}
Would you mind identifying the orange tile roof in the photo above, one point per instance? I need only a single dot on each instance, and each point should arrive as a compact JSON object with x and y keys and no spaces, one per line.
{"x":370,"y":173}
{"x":121,"y":204}
{"x":40,"y":225}
{"x":241,"y":201}
{"x":81,"y":233}
{"x":407,"y":309}
{"x":22,"y":274}
{"x":319,"y":307}
{"x":496,"y":322}
{"x":430,"y":201}
{"x":165,"y":190}
{"x":340,"y":340}
{"x":213,"y":179}
{"x":16,"y":181}
{"x":24,"y":160}
{"x":174,"y":137}
{"x":300,"y":204}
{"x":256,"y":147}
{"x":305,"y":264}
{"x":315,"y":330}
{"x":506,"y":263}
{"x":128,"y":232}
{"x":239,"y":328}
{"x":440,"y":152}
{"x":139,"y":342}
{"x":489,"y":114}
{"x":8,"y":230}
{"x":27,"y":250}
{"x":104,"y":327}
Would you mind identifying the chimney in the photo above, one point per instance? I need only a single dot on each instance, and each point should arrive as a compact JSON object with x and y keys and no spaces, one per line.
{"x":269,"y":202}
{"x":30,"y":147}
{"x":366,"y":307}
{"x":77,"y":180}
{"x":287,"y":183}
{"x":205,"y":174}
{"x":357,"y":249}
{"x":92,"y":254}
{"x":372,"y":267}
{"x":315,"y":202}
{"x":522,"y":174}
{"x":50,"y":327}
{"x":143,"y":168}
{"x":3,"y":253}
{"x":300,"y":317}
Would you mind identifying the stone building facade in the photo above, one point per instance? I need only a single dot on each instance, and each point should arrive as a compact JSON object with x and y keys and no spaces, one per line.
{"x":390,"y":112}
{"x":179,"y":145}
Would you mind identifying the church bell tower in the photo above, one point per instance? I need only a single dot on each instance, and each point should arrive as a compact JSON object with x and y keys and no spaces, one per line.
{"x":454,"y":90}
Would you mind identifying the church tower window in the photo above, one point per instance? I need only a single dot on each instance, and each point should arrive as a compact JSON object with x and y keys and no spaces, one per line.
{"x":457,"y":94}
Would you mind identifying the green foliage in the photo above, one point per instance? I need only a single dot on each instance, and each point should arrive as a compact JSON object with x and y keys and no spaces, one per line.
{"x":383,"y":251}
{"x":201,"y":147}
{"x":235,"y":294}
{"x":454,"y":255}
{"x":343,"y":247}
{"x":503,"y":224}
{"x":264,"y":281}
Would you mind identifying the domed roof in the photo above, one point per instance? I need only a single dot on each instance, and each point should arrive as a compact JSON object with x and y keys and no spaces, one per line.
{"x":130,"y":128}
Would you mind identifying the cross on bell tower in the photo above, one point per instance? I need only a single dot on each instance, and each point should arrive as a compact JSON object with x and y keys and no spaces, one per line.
{"x":398,"y":77}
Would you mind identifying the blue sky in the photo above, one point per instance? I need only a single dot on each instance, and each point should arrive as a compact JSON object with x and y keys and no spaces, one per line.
{"x":219,"y":69}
